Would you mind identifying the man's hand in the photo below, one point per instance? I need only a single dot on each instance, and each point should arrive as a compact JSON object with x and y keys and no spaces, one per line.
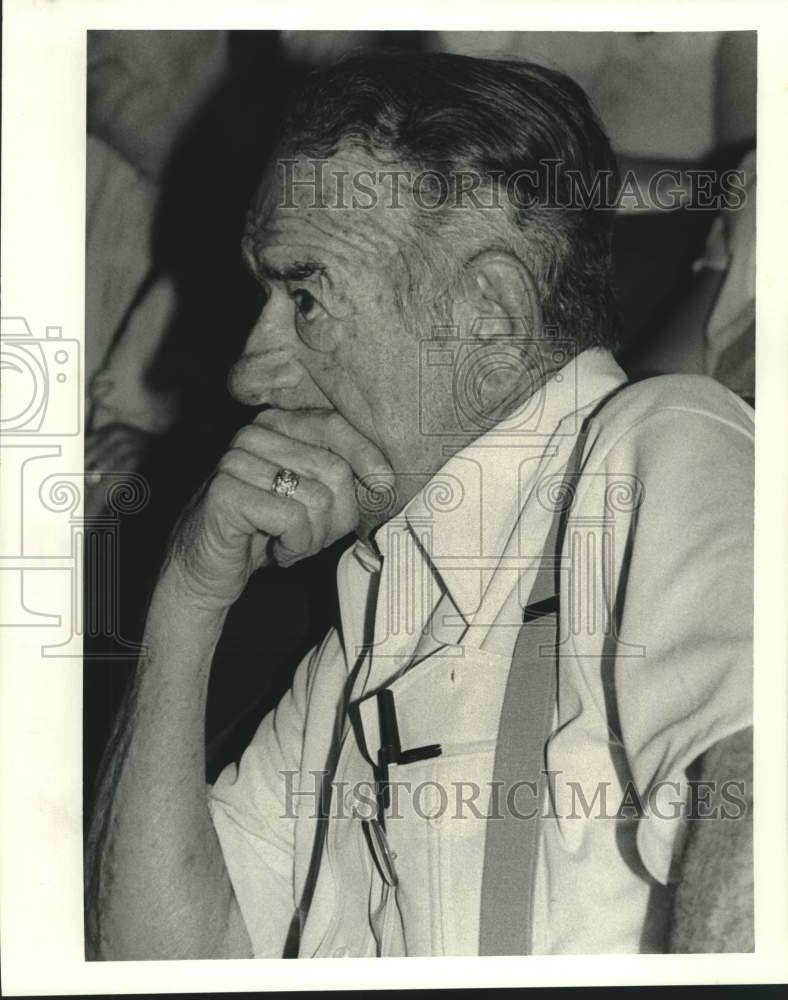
{"x":236,"y":525}
{"x":157,"y":883}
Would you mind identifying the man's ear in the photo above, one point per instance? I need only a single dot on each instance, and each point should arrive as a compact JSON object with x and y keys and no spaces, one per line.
{"x":500,"y":320}
{"x":500,"y":299}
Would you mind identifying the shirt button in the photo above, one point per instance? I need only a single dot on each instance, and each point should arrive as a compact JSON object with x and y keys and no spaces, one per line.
{"x":340,"y":952}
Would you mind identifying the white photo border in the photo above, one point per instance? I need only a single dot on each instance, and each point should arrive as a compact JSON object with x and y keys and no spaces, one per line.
{"x":43,"y":202}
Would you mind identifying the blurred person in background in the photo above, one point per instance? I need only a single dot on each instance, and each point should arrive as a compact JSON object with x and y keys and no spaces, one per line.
{"x":144,"y":88}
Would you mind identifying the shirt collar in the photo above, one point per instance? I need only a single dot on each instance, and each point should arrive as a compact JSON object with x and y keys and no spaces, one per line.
{"x":463,"y":517}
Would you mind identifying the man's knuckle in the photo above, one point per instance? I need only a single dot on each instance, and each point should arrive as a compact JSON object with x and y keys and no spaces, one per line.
{"x":332,"y":420}
{"x":298,"y":518}
{"x":345,"y":479}
{"x":268,"y":419}
{"x":336,"y":467}
{"x":222,"y":486}
{"x":228,"y":463}
{"x":323,"y":497}
{"x":244,"y":438}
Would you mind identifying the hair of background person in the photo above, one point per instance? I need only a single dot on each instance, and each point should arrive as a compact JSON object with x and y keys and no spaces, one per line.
{"x":450,"y":114}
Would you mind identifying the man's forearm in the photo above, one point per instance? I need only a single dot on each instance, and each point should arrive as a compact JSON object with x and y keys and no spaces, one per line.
{"x":157,"y":883}
{"x":157,"y":886}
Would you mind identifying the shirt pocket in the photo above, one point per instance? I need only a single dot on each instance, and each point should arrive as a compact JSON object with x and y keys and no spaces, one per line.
{"x":437,"y":819}
{"x":460,"y":830}
{"x":435,"y":827}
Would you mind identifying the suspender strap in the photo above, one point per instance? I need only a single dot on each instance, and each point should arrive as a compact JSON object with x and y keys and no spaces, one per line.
{"x":512,"y":828}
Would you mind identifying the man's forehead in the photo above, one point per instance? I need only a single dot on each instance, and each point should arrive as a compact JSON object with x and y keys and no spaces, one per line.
{"x":342,"y":203}
{"x":302,"y":181}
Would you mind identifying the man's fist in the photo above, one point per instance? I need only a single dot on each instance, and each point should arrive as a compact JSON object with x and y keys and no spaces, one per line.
{"x":236,"y":524}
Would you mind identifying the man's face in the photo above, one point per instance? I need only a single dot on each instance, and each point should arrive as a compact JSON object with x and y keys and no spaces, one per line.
{"x":332,"y":333}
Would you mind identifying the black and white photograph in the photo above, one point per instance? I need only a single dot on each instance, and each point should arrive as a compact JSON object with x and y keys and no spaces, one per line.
{"x":392,"y":506}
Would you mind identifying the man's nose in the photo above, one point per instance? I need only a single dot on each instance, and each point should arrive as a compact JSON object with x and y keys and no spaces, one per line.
{"x":268,"y":362}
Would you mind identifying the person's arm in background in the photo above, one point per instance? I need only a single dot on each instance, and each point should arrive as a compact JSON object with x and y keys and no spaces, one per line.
{"x":144,"y":89}
{"x":157,"y":885}
{"x":717,"y":861}
{"x":127,"y":414}
{"x":144,"y":86}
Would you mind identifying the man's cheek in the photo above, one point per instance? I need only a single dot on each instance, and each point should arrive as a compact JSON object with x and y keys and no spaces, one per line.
{"x":320,"y":337}
{"x":332,"y":379}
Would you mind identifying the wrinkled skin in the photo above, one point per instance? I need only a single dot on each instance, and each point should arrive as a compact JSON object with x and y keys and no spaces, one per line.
{"x":336,"y":356}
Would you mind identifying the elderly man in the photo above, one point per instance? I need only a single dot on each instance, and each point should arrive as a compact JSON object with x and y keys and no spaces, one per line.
{"x":530,"y":731}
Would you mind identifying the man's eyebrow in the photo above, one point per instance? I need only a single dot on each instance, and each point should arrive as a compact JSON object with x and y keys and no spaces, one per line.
{"x":297,"y":271}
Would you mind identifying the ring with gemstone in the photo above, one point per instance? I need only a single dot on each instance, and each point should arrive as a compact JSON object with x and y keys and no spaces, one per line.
{"x":285,"y":483}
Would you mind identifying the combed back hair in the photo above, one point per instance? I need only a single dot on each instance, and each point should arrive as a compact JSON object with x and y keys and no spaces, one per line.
{"x":457,"y":115}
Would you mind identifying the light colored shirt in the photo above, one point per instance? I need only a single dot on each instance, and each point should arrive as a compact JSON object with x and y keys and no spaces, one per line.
{"x":654,"y":666}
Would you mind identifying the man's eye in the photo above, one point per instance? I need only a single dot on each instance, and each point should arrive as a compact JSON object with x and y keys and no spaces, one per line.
{"x":307,"y":304}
